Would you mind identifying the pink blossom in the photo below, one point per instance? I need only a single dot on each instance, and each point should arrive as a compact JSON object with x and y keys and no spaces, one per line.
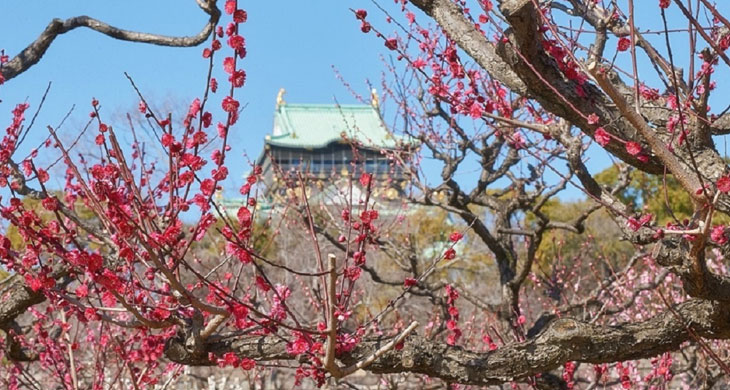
{"x":633,"y":148}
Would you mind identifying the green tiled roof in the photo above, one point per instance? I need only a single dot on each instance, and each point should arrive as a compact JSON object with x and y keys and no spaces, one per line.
{"x":318,"y":125}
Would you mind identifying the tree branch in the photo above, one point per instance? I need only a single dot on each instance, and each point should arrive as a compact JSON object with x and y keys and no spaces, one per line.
{"x":35,"y":51}
{"x":562,"y":341}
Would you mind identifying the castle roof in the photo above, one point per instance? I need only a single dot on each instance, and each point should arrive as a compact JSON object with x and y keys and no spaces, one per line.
{"x":313,"y":126}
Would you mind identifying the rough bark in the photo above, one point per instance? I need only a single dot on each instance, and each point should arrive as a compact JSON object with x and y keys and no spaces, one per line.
{"x":562,"y":341}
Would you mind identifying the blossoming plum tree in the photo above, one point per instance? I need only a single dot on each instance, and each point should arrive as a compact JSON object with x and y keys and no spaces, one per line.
{"x":109,"y":281}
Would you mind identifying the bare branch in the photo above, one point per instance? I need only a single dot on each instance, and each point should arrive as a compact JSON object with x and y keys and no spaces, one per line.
{"x":35,"y":51}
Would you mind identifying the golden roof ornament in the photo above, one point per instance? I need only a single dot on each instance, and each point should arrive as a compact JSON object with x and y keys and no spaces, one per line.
{"x":280,"y":98}
{"x":391,"y":193}
{"x":374,"y":99}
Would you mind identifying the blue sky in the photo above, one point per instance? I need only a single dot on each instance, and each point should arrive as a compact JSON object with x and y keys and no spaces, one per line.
{"x":291,"y":44}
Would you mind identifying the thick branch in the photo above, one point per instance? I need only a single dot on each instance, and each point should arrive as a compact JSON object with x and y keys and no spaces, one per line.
{"x":451,"y":18}
{"x":35,"y":51}
{"x":537,"y":75}
{"x":562,"y":341}
{"x":16,"y":298}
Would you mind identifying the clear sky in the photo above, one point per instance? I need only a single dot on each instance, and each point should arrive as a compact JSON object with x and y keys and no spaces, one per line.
{"x":291,"y":44}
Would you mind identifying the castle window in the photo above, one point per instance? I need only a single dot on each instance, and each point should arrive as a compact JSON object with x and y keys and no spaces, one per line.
{"x":371,"y":166}
{"x":316,"y":164}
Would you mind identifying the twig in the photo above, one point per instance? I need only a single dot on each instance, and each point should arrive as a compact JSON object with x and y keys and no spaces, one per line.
{"x":385,"y":348}
{"x":329,"y":359}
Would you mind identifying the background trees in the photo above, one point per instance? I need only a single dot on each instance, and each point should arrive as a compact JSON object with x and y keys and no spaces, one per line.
{"x":137,"y":261}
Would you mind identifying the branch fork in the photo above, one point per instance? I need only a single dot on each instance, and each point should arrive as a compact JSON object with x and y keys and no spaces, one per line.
{"x":329,"y":361}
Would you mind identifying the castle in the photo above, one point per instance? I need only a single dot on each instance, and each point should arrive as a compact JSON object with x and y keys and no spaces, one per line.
{"x":324,"y":147}
{"x":325,"y":143}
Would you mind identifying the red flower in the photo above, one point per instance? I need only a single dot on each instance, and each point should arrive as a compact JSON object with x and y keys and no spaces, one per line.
{"x":391,"y":43}
{"x":723,"y":184}
{"x":454,"y":312}
{"x":365,"y":27}
{"x":50,"y":203}
{"x":160,"y":314}
{"x":592,"y":119}
{"x":245,"y":189}
{"x":602,"y":137}
{"x":230,"y":29}
{"x":361,"y":14}
{"x":298,"y":346}
{"x":240,"y":16}
{"x":634,"y":224}
{"x":475,"y":111}
{"x":236,"y":42}
{"x":213,"y":87}
{"x":623,"y":44}
{"x":35,"y":284}
{"x":450,"y":254}
{"x":359,"y":258}
{"x":229,"y":65}
{"x":167,"y":139}
{"x":238,"y":78}
{"x":42,"y":175}
{"x":365,"y":179}
{"x":718,"y":235}
{"x":230,"y":6}
{"x":220,"y":174}
{"x":244,"y":256}
{"x":456,"y":236}
{"x":411,"y":17}
{"x":82,"y":291}
{"x":142,"y":107}
{"x":247,"y":364}
{"x":194,"y":108}
{"x":262,"y":284}
{"x":207,"y":187}
{"x":633,"y":148}
{"x":409,"y":282}
{"x":94,"y":262}
{"x":228,"y":359}
{"x":107,"y":298}
{"x":90,"y":314}
{"x":353,"y":273}
{"x":230,"y":105}
{"x":451,"y":325}
{"x":244,"y":217}
{"x":664,"y":3}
